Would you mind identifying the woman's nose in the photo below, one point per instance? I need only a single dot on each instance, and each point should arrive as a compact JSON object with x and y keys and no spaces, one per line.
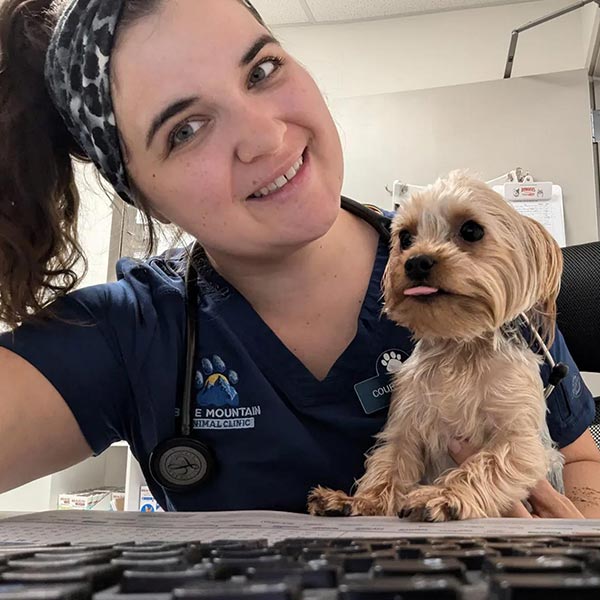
{"x":258,"y":134}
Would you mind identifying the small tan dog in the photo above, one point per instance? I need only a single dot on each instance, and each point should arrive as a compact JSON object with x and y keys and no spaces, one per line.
{"x":463,"y":266}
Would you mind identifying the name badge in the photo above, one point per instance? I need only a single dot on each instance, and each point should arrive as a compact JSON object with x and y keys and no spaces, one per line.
{"x":375,"y":393}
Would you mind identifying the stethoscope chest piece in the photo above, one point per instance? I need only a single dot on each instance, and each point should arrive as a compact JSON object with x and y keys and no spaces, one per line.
{"x":181,"y":464}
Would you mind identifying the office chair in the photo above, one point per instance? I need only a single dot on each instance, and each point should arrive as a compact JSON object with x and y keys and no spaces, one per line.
{"x":579,"y":311}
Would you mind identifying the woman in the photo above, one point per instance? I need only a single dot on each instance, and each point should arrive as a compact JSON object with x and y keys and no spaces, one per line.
{"x":194,"y":112}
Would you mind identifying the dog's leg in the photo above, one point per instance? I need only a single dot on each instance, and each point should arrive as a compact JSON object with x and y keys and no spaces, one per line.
{"x":486,"y":485}
{"x":393,"y":467}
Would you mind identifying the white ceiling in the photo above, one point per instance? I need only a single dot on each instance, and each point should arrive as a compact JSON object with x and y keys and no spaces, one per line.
{"x":294,"y":12}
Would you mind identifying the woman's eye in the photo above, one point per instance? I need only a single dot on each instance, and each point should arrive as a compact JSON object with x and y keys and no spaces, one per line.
{"x":265,"y":70}
{"x":471,"y":231}
{"x":406,"y":239}
{"x":184,"y":133}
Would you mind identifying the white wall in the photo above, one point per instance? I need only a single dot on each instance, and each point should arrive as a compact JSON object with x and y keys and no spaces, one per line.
{"x":540,"y":123}
{"x":95,"y":220}
{"x":435,"y":50}
{"x":385,"y":81}
{"x":590,"y":19}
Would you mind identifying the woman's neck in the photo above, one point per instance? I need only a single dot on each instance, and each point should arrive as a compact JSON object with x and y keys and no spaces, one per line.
{"x":297,"y":279}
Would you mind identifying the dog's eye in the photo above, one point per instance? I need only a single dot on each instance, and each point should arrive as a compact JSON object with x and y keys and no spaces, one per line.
{"x":406,"y":239}
{"x":471,"y":231}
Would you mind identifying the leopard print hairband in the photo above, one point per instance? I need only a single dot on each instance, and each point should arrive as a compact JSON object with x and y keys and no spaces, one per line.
{"x":78,"y":79}
{"x":77,"y":73}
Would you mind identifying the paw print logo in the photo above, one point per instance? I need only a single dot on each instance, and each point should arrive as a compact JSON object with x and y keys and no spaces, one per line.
{"x":389,"y":362}
{"x":215,"y":384}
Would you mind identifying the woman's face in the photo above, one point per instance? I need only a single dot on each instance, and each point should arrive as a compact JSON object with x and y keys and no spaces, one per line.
{"x":211,"y":111}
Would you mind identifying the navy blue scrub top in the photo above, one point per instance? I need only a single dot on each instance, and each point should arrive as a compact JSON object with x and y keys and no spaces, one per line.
{"x":275,"y":429}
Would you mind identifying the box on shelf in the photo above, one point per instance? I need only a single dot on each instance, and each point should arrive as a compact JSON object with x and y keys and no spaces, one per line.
{"x":147,"y":501}
{"x":100,"y":499}
{"x":117,"y":501}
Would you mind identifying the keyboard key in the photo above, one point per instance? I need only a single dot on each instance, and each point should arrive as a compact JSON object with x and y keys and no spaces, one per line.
{"x":51,"y":562}
{"x":357,"y":563}
{"x":419,"y":550}
{"x":17,"y":591}
{"x":153,"y":555}
{"x":97,"y":576}
{"x":472,"y":558}
{"x":532,"y":564}
{"x":161,"y":564}
{"x":114,"y":593}
{"x":419,"y":566}
{"x":225,"y":568}
{"x":140,"y":582}
{"x":544,"y":587}
{"x":224,"y":591}
{"x":585,"y":554}
{"x":149,"y":546}
{"x":403,"y":588}
{"x":309,"y":576}
{"x":506,"y":548}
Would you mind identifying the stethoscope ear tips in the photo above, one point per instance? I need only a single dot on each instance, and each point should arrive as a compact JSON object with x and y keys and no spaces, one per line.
{"x":558,"y":373}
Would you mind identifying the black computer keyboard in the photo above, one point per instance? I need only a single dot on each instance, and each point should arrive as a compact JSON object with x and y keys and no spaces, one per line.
{"x":497,"y":568}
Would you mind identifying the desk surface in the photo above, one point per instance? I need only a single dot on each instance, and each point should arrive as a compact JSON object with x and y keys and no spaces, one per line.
{"x":9,"y":514}
{"x":109,"y":527}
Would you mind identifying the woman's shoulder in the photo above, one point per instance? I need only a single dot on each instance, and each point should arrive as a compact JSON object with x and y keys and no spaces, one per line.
{"x":144,"y":290}
{"x":161,"y":274}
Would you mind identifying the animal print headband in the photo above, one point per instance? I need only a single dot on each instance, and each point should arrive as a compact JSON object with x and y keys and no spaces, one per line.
{"x":77,"y":73}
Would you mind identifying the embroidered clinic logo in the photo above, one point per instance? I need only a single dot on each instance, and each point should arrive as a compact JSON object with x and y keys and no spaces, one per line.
{"x":217,"y":400}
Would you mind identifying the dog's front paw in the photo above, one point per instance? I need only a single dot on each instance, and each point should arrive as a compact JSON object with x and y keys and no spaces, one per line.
{"x":324,"y":502}
{"x":436,"y":504}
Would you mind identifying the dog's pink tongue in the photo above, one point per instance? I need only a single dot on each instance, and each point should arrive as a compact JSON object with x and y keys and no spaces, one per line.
{"x":421,"y":291}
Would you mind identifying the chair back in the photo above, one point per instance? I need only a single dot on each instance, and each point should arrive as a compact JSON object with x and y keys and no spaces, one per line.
{"x":579,"y":311}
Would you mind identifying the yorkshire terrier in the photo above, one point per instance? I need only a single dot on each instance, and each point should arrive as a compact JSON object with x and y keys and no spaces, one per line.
{"x":463,"y":266}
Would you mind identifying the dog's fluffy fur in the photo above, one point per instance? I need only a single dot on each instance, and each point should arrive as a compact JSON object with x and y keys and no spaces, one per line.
{"x":470,"y":376}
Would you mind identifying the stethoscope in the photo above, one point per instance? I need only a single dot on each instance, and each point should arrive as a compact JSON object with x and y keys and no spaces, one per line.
{"x":182,"y":463}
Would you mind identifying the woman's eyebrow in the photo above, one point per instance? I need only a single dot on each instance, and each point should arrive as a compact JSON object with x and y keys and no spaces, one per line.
{"x":260,"y":43}
{"x":182,"y":104}
{"x":168,"y":113}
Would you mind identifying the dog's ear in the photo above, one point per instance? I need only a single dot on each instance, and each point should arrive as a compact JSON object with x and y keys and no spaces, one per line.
{"x":547,"y":260}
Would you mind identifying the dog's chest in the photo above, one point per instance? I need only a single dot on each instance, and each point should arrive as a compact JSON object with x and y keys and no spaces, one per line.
{"x":446,"y":396}
{"x":449,"y":396}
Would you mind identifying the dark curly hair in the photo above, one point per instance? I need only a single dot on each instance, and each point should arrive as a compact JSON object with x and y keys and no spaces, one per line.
{"x":41,"y":258}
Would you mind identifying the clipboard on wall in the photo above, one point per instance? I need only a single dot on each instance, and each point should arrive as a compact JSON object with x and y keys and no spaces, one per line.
{"x":542,"y":201}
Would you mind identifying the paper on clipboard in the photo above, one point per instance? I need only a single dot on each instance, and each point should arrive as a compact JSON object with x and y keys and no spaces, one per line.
{"x":541,"y":201}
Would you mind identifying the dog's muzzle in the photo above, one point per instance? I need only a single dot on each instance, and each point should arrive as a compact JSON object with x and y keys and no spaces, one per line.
{"x":418,"y":268}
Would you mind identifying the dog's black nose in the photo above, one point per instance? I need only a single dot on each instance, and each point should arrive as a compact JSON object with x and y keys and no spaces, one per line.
{"x":419,"y":267}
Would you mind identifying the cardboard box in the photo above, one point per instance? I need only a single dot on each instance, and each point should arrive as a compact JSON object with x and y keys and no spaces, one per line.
{"x":101,"y":499}
{"x":117,"y":502}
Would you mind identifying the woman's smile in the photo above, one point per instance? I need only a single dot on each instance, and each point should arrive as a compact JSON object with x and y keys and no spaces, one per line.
{"x":287,"y":185}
